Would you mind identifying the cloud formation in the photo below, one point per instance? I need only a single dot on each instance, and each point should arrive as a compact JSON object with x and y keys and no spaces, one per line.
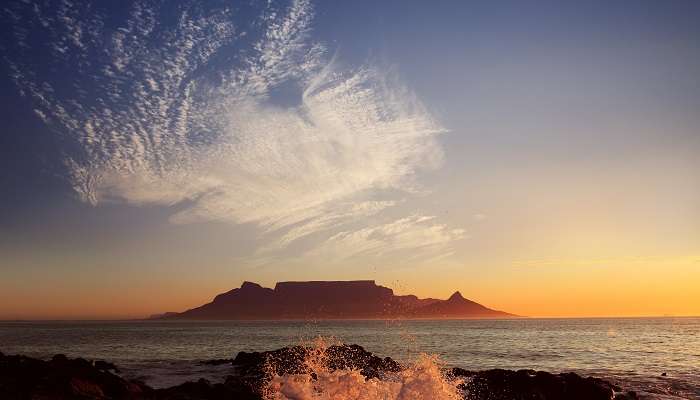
{"x":420,"y":234}
{"x":251,"y":124}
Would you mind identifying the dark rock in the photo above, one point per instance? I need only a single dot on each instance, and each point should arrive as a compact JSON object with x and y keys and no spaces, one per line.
{"x":663,"y":374}
{"x":499,"y":384}
{"x":63,"y":378}
{"x":631,"y":395}
{"x":218,"y":361}
{"x":85,"y":388}
{"x":290,"y":360}
{"x":232,"y":388}
{"x":105,"y":366}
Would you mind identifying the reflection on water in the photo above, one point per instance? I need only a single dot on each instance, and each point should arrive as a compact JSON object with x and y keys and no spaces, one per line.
{"x":633,"y":351}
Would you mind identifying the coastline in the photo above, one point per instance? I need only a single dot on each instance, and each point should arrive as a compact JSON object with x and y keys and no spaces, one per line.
{"x":250,"y":379}
{"x":164,"y":354}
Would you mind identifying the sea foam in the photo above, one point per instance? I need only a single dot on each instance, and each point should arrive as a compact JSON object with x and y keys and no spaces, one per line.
{"x":420,"y":379}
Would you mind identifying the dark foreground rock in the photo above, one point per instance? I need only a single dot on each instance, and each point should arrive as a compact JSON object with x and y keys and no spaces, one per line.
{"x":233,"y":388}
{"x":500,"y":384}
{"x":290,"y":360}
{"x":62,"y":378}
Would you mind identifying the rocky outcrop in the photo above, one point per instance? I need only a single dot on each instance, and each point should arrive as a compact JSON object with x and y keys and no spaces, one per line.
{"x":330,"y":300}
{"x":62,"y":378}
{"x":499,"y":384}
{"x":233,"y":388}
{"x":256,"y":366}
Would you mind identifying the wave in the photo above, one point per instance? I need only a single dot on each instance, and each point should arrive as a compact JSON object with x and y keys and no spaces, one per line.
{"x":421,"y":379}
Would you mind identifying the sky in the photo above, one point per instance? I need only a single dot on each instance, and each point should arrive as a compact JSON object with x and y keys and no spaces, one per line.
{"x":541,"y":158}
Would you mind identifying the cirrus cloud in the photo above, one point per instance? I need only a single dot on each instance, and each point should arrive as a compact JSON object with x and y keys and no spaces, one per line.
{"x":247,"y":124}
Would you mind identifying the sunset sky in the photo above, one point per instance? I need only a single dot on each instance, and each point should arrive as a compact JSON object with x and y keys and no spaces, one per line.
{"x":543,"y":158}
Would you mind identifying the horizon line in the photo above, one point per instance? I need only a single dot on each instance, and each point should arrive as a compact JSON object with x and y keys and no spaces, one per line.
{"x":344,"y":319}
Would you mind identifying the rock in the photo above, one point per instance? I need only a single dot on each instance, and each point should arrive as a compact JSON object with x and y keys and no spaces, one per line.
{"x":232,"y":388}
{"x":631,"y":395}
{"x":85,"y":388}
{"x":290,"y":360}
{"x":218,"y":361}
{"x":499,"y":384}
{"x":496,"y":384}
{"x":63,"y":378}
{"x":105,"y":366}
{"x":663,"y":374}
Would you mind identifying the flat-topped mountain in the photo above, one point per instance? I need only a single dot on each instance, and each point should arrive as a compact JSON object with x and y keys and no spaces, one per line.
{"x":330,"y":300}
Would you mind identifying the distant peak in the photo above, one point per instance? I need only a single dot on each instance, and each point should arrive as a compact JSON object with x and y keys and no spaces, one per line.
{"x":250,"y":285}
{"x":456,"y":296}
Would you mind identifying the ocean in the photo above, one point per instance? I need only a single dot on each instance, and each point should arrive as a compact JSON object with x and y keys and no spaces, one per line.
{"x":632,"y":352}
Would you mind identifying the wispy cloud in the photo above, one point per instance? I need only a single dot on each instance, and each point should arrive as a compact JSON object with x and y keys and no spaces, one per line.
{"x":418,"y":233}
{"x":161,"y":119}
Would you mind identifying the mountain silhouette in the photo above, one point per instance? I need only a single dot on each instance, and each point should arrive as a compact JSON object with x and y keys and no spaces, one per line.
{"x":455,"y":307}
{"x":330,"y":300}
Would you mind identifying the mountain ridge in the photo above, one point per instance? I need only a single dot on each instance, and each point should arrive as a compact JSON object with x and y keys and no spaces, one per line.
{"x":359,"y":299}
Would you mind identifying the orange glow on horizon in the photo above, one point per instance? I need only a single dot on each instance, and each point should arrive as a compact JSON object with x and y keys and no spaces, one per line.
{"x":630,"y":290}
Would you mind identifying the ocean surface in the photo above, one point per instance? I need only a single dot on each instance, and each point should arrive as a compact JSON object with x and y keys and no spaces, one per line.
{"x":632,"y":352}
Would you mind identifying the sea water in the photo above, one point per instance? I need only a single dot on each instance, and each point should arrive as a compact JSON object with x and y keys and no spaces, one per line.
{"x":632,"y":352}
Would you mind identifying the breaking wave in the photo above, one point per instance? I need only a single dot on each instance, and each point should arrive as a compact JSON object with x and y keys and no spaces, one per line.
{"x":421,"y":379}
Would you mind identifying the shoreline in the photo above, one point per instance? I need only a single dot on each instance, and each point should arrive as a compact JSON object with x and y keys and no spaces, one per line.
{"x":63,"y":377}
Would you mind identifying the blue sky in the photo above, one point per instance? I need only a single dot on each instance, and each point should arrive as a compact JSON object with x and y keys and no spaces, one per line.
{"x":485,"y":145}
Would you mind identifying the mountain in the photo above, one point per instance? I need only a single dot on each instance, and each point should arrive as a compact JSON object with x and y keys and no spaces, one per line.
{"x":456,"y":307}
{"x":163,"y":315}
{"x":330,"y":300}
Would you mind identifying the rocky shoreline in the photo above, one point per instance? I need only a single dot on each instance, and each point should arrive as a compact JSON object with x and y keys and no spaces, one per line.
{"x":24,"y":377}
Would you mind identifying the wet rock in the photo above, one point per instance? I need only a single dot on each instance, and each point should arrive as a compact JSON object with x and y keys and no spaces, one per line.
{"x":291,"y":360}
{"x":85,"y":388}
{"x":217,"y":361}
{"x":631,"y":395}
{"x":202,"y":389}
{"x":63,"y":378}
{"x":499,"y":384}
{"x":105,"y":366}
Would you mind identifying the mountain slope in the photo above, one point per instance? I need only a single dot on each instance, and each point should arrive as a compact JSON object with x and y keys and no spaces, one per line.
{"x":457,"y":307}
{"x":330,"y":300}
